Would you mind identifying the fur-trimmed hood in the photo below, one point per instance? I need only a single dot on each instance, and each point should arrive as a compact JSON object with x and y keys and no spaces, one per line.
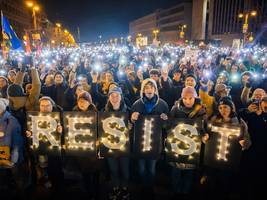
{"x":146,"y":81}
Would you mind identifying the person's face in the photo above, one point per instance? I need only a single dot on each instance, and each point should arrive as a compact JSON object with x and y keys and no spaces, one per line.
{"x":258,"y":94}
{"x":58,"y":79}
{"x":115,"y":98}
{"x":185,"y":72}
{"x":264,"y":106}
{"x":219,"y":80}
{"x":189,"y":81}
{"x":46,"y":106}
{"x":177,"y":76}
{"x":83,"y":81}
{"x":49,"y":80}
{"x":12,"y":77}
{"x":245,"y":79}
{"x":234,"y":69}
{"x":225,"y":110}
{"x":109,"y":77}
{"x":3,"y":83}
{"x":131,"y":77}
{"x":149,"y":91}
{"x":155,"y":77}
{"x":83,"y":104}
{"x":79,"y":90}
{"x":188,"y":101}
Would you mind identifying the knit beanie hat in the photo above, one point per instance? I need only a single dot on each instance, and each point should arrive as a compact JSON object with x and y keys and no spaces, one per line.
{"x":227,"y":101}
{"x":86,"y":96}
{"x":48,"y":99}
{"x":189,"y":91}
{"x":115,"y":89}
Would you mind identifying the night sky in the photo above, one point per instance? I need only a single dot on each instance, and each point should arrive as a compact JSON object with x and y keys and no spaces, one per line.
{"x":108,"y":18}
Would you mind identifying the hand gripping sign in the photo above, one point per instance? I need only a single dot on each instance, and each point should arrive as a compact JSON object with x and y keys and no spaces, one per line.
{"x":148,"y":137}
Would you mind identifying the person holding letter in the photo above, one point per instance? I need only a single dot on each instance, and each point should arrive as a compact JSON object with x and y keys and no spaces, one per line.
{"x":49,"y":168}
{"x":218,"y":181}
{"x":118,"y":166}
{"x":189,"y":106}
{"x":148,"y":104}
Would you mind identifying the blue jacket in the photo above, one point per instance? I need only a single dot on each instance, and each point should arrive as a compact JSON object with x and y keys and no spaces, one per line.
{"x":12,"y":136}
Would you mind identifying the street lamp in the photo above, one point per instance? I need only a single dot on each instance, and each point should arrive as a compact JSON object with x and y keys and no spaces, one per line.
{"x":245,"y":25}
{"x":156,"y":32}
{"x":182,"y":33}
{"x":35,"y":8}
{"x":58,"y":25}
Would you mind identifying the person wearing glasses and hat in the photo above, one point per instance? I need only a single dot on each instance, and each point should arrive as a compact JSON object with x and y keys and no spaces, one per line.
{"x":211,"y":102}
{"x":253,"y":162}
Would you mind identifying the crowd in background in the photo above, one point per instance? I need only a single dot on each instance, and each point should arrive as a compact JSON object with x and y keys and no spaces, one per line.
{"x":213,"y":84}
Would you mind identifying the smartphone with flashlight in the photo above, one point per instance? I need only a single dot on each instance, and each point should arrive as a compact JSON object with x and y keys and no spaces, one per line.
{"x":257,"y":103}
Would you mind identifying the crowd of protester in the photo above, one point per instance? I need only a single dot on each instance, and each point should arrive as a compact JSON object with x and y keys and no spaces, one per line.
{"x":216,"y":84}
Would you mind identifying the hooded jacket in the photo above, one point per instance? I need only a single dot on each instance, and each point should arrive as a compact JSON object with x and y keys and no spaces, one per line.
{"x":159,"y":107}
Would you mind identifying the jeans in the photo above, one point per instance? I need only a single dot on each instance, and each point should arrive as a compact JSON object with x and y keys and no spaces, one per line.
{"x":182,"y":180}
{"x":147,"y":171}
{"x":119,"y":171}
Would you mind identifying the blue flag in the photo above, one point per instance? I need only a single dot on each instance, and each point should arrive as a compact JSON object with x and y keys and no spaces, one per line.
{"x":9,"y":34}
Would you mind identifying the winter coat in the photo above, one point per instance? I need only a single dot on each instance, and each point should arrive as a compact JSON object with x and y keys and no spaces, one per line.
{"x":176,"y":91}
{"x":59,"y":94}
{"x":255,"y":156}
{"x":70,"y":99}
{"x":31,"y":103}
{"x":197,"y":112}
{"x":47,"y":91}
{"x":239,"y":122}
{"x":165,"y":90}
{"x":207,"y":100}
{"x":12,"y":136}
{"x":160,"y":107}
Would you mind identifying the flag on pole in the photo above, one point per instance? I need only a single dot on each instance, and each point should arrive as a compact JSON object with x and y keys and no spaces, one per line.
{"x":28,"y":44}
{"x":9,"y":36}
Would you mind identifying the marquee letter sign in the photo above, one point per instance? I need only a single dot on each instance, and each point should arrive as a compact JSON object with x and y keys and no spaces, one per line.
{"x":183,"y":142}
{"x":45,"y":138}
{"x":223,"y":150}
{"x":148,"y":137}
{"x":113,"y":133}
{"x":80,"y":133}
